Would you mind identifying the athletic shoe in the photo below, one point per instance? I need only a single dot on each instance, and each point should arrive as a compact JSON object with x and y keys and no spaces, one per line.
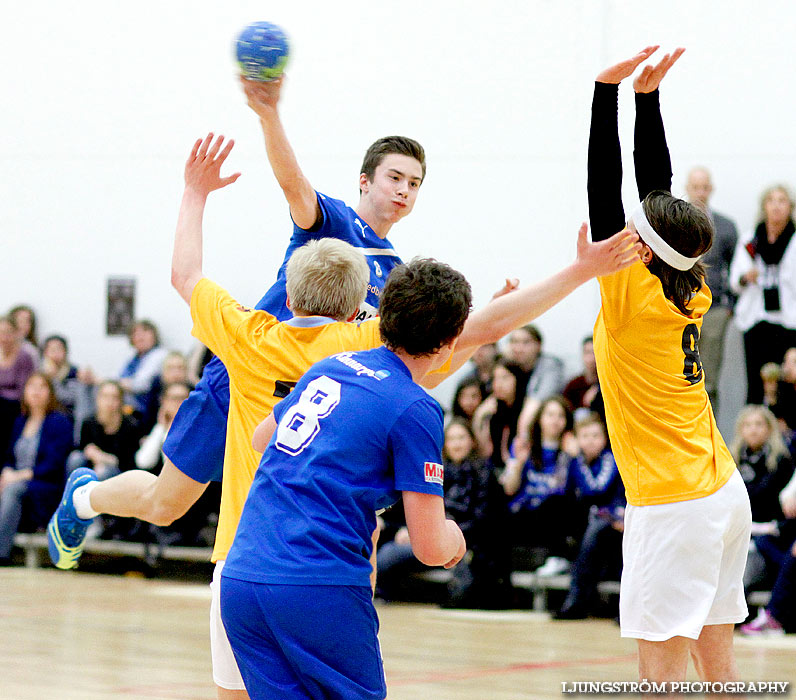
{"x":553,"y":566}
{"x":66,"y":533}
{"x":762,"y":626}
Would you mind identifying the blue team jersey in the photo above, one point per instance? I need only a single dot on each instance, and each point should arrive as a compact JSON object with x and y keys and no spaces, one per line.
{"x":353,"y":434}
{"x":339,"y":221}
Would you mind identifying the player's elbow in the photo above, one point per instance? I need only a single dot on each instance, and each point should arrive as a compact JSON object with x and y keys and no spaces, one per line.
{"x":429,"y":552}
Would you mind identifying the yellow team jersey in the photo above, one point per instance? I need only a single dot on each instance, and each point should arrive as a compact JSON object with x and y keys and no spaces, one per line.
{"x":663,"y":432}
{"x":264,"y":359}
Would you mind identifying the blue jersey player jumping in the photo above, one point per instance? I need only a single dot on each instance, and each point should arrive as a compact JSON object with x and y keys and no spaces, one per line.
{"x":392,"y":172}
{"x":356,"y":434}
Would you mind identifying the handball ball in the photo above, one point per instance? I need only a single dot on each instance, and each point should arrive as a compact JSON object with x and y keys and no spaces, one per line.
{"x":262,"y":51}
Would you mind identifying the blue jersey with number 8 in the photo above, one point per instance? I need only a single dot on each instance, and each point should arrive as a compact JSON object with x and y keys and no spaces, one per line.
{"x":353,"y":434}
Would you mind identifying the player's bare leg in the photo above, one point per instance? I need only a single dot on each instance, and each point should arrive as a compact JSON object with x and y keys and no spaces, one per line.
{"x":663,"y":661}
{"x":159,"y":500}
{"x":713,"y":655}
{"x":224,"y":694}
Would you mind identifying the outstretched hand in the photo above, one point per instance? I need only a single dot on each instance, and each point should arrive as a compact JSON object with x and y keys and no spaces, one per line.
{"x":262,"y":96}
{"x":203,"y":168}
{"x":651,"y":76}
{"x":624,"y":69}
{"x":511,"y":285}
{"x":611,"y":255}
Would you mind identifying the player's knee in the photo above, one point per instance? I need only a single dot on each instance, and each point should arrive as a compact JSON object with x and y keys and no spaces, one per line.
{"x":163,"y":511}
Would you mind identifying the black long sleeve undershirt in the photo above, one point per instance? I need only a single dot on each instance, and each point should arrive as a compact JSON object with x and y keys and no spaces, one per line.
{"x":651,"y":157}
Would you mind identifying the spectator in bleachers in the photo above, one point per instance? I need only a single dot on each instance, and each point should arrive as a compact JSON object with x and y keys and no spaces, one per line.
{"x":581,"y":391}
{"x":109,"y":439}
{"x":62,"y":373}
{"x":483,"y":362}
{"x":149,"y":456}
{"x":503,"y":407}
{"x":779,"y":615}
{"x":770,"y":374}
{"x":174,"y":370}
{"x":25,"y":320}
{"x":699,"y":188}
{"x":594,"y":480}
{"x":139,"y":372}
{"x":34,"y":469}
{"x":544,"y":372}
{"x":467,"y":399}
{"x":465,"y":491}
{"x":784,"y":407}
{"x":763,"y":274}
{"x":16,"y":366}
{"x":766,"y":467}
{"x":542,"y":514}
{"x":108,"y":442}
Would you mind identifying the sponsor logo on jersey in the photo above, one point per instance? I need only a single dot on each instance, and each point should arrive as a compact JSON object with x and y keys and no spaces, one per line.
{"x":361,"y":226}
{"x":359,"y":368}
{"x":433,"y":473}
{"x":245,"y":309}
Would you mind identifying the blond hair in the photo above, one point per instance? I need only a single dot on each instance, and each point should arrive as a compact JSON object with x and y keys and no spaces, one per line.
{"x":775,"y":443}
{"x":327,"y":277}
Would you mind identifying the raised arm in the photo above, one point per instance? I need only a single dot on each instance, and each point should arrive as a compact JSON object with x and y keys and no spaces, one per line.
{"x":202,"y":176}
{"x":263,"y":98}
{"x":605,"y":157}
{"x":651,"y":155}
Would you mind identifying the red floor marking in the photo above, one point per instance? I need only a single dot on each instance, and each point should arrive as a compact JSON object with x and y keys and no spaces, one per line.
{"x":512,"y":668}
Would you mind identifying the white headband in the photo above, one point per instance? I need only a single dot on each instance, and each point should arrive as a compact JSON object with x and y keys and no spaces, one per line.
{"x":660,"y":247}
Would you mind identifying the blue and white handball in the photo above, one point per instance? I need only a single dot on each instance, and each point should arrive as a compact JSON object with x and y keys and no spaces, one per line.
{"x":262,"y":51}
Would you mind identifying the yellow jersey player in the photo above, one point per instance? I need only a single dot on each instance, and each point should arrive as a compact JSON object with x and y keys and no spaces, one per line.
{"x":688,"y":519}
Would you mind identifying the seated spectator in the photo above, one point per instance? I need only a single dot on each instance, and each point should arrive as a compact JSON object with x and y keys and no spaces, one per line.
{"x":536,"y":479}
{"x":465,"y":486}
{"x":779,"y":615}
{"x":138,"y":374}
{"x":763,"y":460}
{"x":770,"y":374}
{"x":108,"y":442}
{"x":15,"y":368}
{"x":483,"y":362}
{"x":25,"y":321}
{"x":503,"y":407}
{"x":34,"y":470}
{"x":582,"y":390}
{"x":173,"y":371}
{"x":467,"y":399}
{"x":148,"y":455}
{"x":108,"y":439}
{"x":544,"y":374}
{"x":766,"y":467}
{"x":594,"y":480}
{"x":62,"y":373}
{"x":785,"y":405}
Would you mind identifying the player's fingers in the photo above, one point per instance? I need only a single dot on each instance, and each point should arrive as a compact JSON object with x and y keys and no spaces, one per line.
{"x":214,"y":149}
{"x":223,"y":155}
{"x":205,"y":145}
{"x":195,"y":149}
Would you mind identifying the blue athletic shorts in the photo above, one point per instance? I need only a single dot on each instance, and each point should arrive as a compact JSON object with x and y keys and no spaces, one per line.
{"x":299,"y":642}
{"x":196,"y":439}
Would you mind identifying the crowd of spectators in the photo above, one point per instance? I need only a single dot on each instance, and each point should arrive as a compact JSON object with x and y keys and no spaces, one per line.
{"x":56,"y":417}
{"x":529,"y":472}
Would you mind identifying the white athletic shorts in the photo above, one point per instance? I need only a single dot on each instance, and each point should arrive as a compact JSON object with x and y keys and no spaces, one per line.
{"x":225,"y":668}
{"x":684,"y":564}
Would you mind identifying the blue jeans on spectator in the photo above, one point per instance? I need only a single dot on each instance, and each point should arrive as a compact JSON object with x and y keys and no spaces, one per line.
{"x":10,"y":515}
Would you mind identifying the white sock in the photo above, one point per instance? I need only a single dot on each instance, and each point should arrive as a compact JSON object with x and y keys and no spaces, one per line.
{"x":82,"y":502}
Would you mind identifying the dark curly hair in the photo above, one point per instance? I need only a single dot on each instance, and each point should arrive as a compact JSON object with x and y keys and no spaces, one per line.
{"x":423,"y":306}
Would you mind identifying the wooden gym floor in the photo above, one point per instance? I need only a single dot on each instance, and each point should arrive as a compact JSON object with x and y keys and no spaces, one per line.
{"x":79,"y":636}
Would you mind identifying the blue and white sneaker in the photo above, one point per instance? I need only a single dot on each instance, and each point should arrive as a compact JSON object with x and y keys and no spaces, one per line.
{"x":66,"y":532}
